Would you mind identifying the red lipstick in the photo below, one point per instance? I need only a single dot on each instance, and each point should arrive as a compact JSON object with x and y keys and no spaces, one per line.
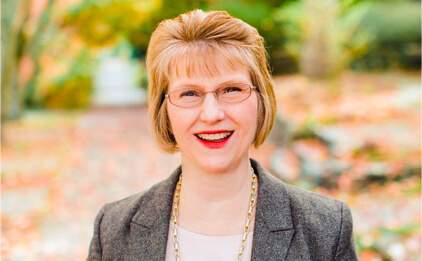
{"x":214,"y":144}
{"x":213,"y":132}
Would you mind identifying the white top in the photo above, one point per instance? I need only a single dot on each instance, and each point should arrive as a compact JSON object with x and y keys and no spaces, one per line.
{"x":194,"y":247}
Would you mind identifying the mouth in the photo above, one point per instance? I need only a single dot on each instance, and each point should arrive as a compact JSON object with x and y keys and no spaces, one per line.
{"x":214,"y":139}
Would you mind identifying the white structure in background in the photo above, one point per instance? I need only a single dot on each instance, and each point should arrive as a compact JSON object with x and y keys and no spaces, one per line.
{"x":115,"y":83}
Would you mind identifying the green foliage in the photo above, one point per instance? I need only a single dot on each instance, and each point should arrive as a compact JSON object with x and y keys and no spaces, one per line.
{"x":171,"y":9}
{"x":291,"y":18}
{"x":394,"y":21}
{"x":165,"y":10}
{"x":350,"y":38}
{"x":395,"y":27}
{"x":143,"y":76}
{"x":73,"y":94}
{"x":259,"y":14}
{"x":103,"y":22}
{"x":72,"y":90}
{"x":369,"y":34}
{"x":364,"y":31}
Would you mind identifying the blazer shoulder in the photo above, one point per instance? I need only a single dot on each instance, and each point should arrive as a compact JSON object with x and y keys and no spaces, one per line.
{"x":119,"y":207}
{"x":322,"y":224}
{"x":318,"y":213}
{"x":325,"y":219}
{"x":126,"y":208}
{"x":311,"y":201}
{"x":115,"y":220}
{"x":304,"y":207}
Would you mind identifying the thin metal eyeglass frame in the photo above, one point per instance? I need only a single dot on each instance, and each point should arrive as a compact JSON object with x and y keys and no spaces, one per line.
{"x":215,"y":95}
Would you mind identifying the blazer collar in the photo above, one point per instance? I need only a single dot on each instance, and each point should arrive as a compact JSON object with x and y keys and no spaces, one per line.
{"x":273,"y":204}
{"x":274,"y":229}
{"x":273,"y":221}
{"x":157,"y":202}
{"x":150,"y":225}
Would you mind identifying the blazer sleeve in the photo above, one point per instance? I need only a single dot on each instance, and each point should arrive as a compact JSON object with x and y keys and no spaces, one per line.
{"x":346,"y":245}
{"x":95,"y":250}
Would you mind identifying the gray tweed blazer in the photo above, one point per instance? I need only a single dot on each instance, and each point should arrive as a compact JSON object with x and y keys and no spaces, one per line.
{"x":290,"y":224}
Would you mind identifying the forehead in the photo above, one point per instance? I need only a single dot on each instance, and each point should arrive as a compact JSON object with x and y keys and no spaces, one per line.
{"x":206,"y":61}
{"x":215,"y":72}
{"x":215,"y":67}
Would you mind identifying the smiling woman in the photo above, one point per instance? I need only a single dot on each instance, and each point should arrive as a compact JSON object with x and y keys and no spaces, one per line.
{"x":211,"y":98}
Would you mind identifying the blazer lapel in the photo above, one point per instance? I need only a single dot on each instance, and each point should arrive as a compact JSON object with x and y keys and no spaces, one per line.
{"x":149,"y":226}
{"x":274,"y":229}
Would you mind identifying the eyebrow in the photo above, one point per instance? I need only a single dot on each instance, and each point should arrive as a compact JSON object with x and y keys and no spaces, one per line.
{"x":221,"y":84}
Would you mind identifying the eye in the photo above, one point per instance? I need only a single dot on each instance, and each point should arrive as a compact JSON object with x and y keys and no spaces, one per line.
{"x":229,"y":89}
{"x":190,"y":93}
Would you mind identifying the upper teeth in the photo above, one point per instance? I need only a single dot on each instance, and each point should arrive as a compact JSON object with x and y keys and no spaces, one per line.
{"x":216,"y":136}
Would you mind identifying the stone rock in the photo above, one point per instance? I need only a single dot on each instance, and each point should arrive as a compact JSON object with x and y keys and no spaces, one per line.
{"x":285,"y":165}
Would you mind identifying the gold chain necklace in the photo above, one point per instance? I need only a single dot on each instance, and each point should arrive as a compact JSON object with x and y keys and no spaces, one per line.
{"x":245,"y":229}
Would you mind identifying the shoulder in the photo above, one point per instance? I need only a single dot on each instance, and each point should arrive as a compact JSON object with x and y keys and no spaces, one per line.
{"x":322,"y":226}
{"x":318,"y":214}
{"x":142,"y":208}
{"x":114,"y":218}
{"x":311,"y":207}
{"x":299,"y":199}
{"x":323,"y":221}
{"x":125,"y":210}
{"x":305,"y":209}
{"x":122,"y":209}
{"x":130,"y":203}
{"x":312,"y":203}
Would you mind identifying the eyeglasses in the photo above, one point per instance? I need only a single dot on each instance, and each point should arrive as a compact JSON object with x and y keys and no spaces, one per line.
{"x":187,"y":97}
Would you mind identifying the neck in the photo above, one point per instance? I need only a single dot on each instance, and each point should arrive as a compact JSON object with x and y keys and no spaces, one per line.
{"x":215,"y":202}
{"x":216,"y":186}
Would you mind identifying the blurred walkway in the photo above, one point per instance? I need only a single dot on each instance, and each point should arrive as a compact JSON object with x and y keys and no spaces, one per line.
{"x":60,"y":168}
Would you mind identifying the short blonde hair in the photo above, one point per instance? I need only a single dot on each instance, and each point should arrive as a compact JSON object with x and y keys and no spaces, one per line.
{"x":197,"y":37}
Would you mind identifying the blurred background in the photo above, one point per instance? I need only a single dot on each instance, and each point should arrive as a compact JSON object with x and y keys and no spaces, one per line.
{"x":75,"y":129}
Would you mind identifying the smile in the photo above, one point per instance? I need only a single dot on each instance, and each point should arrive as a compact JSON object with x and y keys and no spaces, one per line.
{"x":214,"y":139}
{"x":217,"y":137}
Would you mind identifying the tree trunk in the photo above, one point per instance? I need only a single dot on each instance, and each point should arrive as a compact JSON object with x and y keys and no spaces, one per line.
{"x":320,"y":49}
{"x":11,"y":23}
{"x":35,"y":49}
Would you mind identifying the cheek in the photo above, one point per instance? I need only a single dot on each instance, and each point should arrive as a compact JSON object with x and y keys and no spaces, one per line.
{"x":253,"y":118}
{"x":253,"y":112}
{"x":180,"y":121}
{"x":173,"y":117}
{"x":247,"y":118}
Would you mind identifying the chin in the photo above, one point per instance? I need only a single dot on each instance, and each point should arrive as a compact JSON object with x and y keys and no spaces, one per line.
{"x":220,"y":163}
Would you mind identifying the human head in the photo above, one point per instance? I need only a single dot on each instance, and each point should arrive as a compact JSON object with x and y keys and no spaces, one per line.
{"x":194,"y":38}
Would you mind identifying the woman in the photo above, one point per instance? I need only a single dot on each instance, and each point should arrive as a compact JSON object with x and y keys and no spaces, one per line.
{"x":211,"y":98}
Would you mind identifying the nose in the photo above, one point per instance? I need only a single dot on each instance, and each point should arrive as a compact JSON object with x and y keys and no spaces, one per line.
{"x":211,"y":109}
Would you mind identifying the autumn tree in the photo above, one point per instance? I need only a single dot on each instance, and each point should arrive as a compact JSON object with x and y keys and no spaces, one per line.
{"x":19,"y":42}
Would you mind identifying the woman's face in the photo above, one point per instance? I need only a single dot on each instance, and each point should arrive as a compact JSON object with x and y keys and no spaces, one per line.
{"x":196,"y":128}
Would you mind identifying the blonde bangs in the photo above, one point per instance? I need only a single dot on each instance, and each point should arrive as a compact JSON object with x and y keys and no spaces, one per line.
{"x":201,"y":58}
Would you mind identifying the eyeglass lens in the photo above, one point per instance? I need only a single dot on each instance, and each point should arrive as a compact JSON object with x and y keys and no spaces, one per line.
{"x":191,"y":96}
